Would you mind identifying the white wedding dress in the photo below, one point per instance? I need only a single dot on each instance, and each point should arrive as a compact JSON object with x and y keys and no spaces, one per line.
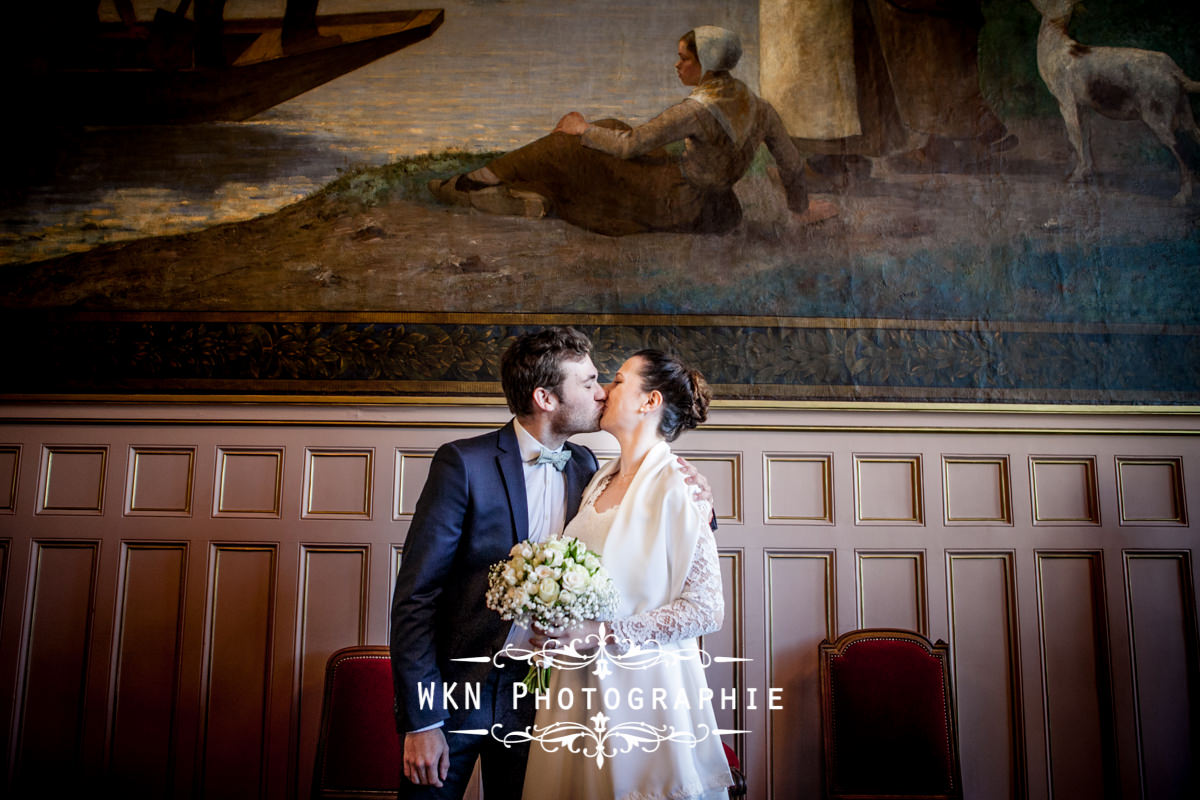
{"x":638,"y":545}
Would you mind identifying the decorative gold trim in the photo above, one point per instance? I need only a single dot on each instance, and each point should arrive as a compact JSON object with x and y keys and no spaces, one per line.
{"x":916,"y":488}
{"x":307,"y":551}
{"x":1020,"y":778}
{"x":735,"y":460}
{"x":118,"y":650}
{"x":49,"y":451}
{"x":135,"y":452}
{"x":1090,"y":488}
{"x":223,"y":455}
{"x":826,"y":462}
{"x":770,"y":555}
{"x":216,"y":550}
{"x":1101,"y":659}
{"x":1191,"y":643}
{"x":72,"y":742}
{"x":9,"y":506}
{"x":1178,"y":494}
{"x":919,"y":579}
{"x":311,"y":454}
{"x":735,"y":616}
{"x":398,"y":511}
{"x":1006,"y":513}
{"x":397,"y":557}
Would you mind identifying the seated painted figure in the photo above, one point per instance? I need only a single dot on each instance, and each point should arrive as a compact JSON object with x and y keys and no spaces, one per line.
{"x":608,"y":177}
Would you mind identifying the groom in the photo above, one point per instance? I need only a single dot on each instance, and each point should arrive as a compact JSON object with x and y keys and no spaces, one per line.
{"x":483,"y":495}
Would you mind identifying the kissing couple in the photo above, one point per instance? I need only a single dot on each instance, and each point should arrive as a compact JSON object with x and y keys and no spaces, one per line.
{"x":649,"y":515}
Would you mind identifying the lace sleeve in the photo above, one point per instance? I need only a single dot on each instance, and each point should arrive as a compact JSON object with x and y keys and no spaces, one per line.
{"x":698,"y":610}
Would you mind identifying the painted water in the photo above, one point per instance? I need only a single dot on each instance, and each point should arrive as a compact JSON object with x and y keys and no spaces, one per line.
{"x":497,"y":74}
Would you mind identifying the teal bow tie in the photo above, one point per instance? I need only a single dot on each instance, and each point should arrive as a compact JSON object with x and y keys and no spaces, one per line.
{"x":557,"y":460}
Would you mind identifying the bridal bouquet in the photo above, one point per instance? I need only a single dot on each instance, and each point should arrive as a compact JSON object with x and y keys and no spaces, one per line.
{"x":555,"y":584}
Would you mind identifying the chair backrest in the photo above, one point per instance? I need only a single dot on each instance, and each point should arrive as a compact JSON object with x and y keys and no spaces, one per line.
{"x":888,"y":715}
{"x":359,"y":753}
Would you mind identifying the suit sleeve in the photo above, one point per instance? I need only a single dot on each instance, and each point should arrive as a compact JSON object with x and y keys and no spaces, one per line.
{"x":429,"y":553}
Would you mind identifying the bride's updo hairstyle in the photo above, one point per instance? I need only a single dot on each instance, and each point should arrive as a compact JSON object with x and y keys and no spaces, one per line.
{"x":684,"y":391}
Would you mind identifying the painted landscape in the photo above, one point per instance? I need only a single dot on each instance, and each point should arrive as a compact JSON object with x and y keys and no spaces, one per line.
{"x":305,"y":254}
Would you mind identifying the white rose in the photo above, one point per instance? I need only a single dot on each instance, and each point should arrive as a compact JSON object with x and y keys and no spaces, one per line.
{"x":510,"y":576}
{"x":552,"y":557}
{"x":591,"y":562}
{"x":525,"y":550}
{"x":566,"y":596}
{"x":598,"y":582}
{"x":575,"y":579}
{"x":548,"y":591}
{"x":544,"y":572}
{"x":519,"y":565}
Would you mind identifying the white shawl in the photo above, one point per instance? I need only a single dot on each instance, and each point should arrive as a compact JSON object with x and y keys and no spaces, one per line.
{"x":649,"y":548}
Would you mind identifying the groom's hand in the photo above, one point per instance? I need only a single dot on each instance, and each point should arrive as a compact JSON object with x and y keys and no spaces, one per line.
{"x":692,"y":476}
{"x":426,"y":757}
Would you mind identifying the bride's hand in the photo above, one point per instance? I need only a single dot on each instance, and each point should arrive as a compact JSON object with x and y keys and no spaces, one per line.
{"x":573,"y":123}
{"x":585,"y":636}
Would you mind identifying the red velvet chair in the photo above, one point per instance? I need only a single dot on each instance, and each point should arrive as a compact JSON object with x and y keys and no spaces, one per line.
{"x":359,"y":752}
{"x":889,"y":717}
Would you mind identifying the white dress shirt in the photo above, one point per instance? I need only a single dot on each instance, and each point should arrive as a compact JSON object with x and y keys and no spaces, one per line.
{"x":545,"y":498}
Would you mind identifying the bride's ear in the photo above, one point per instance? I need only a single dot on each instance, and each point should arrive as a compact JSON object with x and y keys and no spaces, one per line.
{"x":654,"y":401}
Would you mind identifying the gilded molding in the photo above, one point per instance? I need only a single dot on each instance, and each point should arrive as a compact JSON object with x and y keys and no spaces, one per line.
{"x":825,"y":460}
{"x":770,"y":556}
{"x":1016,"y":693}
{"x":312,"y":455}
{"x":920,"y":585}
{"x":224,"y":454}
{"x":1090,"y":488}
{"x":400,"y":481}
{"x":1187,"y":591}
{"x":1179,"y":516}
{"x":131,"y":483}
{"x":1004,"y":490}
{"x":9,"y":504}
{"x":1101,"y":659}
{"x":49,"y":451}
{"x":916,"y":492}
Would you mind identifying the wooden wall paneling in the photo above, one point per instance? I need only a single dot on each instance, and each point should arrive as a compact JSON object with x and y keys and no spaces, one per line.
{"x":893,"y":590}
{"x":977,"y":490}
{"x":1064,"y":490}
{"x":332,"y":600}
{"x":72,"y":479}
{"x":144,"y":691}
{"x":1161,"y":602}
{"x":1076,"y":675}
{"x":798,"y":489}
{"x":802,"y":582}
{"x":160,"y":481}
{"x":55,"y":655}
{"x":729,"y":642}
{"x":338,"y":483}
{"x":10,"y":474}
{"x":985,"y":654}
{"x":1150,"y":491}
{"x":724,"y":474}
{"x":238,"y":666}
{"x":889,"y":490}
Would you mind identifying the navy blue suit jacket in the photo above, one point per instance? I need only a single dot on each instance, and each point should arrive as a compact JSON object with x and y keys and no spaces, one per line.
{"x":470,"y":514}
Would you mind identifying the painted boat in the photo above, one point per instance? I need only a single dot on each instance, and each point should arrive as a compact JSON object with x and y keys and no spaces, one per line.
{"x":139,"y":74}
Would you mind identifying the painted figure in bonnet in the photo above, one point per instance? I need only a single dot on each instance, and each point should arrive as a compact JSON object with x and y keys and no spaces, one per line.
{"x":615,"y":179}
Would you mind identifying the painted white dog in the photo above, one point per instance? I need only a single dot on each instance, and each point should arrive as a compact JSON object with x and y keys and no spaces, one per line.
{"x":1120,"y":82}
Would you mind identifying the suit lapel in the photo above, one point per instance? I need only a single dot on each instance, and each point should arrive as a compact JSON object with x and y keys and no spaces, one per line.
{"x":575,"y":483}
{"x":512,"y":471}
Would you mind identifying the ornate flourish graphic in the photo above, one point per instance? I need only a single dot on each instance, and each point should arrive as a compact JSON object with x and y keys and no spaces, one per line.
{"x":600,"y":741}
{"x":582,"y":653}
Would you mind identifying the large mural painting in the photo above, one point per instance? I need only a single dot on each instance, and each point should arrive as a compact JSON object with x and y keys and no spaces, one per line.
{"x":231,"y":198}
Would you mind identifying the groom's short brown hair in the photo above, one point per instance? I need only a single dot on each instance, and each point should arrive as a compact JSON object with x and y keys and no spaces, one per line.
{"x":534,"y":361}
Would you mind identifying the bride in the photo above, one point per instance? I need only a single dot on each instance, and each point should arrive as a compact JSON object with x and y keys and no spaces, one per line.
{"x":657,"y":545}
